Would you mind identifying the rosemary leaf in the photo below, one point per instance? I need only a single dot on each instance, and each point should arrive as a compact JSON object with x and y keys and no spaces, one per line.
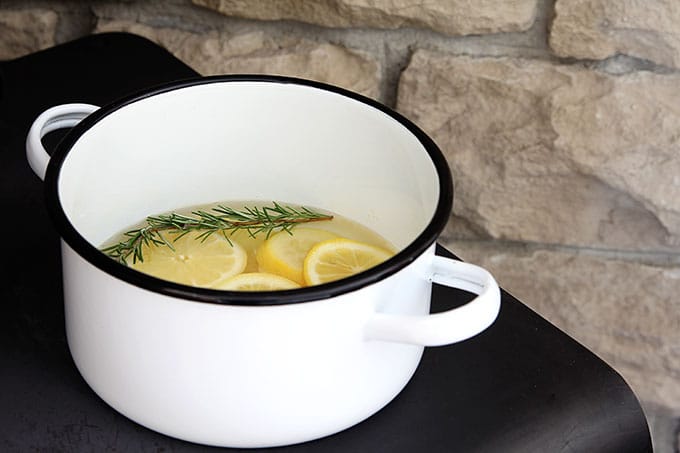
{"x":222,"y":219}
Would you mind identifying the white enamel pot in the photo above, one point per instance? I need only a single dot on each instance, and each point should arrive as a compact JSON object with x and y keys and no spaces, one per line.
{"x":251,"y":369}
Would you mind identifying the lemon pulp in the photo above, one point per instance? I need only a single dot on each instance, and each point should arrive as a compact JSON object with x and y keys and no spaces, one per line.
{"x":284,"y":253}
{"x":338,"y":258}
{"x":254,"y":262}
{"x":194,"y":261}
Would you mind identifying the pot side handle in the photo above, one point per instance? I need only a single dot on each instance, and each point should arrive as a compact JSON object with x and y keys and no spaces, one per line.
{"x":58,"y":117}
{"x":449,"y":326}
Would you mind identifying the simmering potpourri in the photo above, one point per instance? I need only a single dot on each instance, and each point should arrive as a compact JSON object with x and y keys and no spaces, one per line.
{"x":254,"y":248}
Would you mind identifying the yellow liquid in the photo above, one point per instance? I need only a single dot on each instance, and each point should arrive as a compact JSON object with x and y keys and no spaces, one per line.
{"x":339,"y":226}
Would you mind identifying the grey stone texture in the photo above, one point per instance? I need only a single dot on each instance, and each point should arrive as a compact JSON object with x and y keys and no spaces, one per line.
{"x":597,"y":29}
{"x":453,"y":17}
{"x":256,"y":52}
{"x":25,"y":31}
{"x":553,"y":153}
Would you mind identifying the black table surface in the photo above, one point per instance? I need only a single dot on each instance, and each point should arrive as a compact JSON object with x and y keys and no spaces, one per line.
{"x":520,"y":386}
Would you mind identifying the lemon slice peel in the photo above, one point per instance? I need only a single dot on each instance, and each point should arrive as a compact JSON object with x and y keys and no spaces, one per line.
{"x":284,"y":253}
{"x":256,"y":281}
{"x":339,"y":258}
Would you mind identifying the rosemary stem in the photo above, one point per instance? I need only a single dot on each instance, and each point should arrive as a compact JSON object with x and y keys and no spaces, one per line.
{"x":254,"y":220}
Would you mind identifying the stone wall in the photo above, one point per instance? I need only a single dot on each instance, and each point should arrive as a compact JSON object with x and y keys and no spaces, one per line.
{"x":560,"y":120}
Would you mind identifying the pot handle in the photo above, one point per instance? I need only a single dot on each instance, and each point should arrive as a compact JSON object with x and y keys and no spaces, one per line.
{"x":450,"y":326}
{"x":58,"y":117}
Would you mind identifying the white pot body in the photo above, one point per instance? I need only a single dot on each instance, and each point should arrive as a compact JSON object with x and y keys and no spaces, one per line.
{"x":252,"y":370}
{"x":233,"y":375}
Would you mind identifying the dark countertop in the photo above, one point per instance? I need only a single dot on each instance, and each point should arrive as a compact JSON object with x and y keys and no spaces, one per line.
{"x":520,"y":386}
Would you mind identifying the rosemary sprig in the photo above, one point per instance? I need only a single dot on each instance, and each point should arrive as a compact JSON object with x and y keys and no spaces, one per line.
{"x":222,"y":219}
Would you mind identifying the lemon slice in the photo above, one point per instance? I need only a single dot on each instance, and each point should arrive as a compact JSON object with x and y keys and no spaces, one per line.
{"x":256,"y":281}
{"x":193,"y":261}
{"x":338,"y":258}
{"x":250,"y":244}
{"x":284,"y":253}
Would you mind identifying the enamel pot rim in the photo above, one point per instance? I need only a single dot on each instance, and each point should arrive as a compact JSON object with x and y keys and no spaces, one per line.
{"x":90,"y":253}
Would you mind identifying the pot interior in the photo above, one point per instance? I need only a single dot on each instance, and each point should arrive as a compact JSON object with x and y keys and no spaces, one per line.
{"x":248,"y":140}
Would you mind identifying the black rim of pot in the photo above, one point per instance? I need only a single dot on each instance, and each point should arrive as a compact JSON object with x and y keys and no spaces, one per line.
{"x":90,"y":253}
